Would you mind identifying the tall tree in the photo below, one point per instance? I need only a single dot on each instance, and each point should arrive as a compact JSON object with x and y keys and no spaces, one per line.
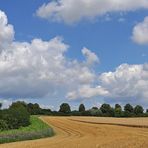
{"x":33,"y":109}
{"x":65,"y":108}
{"x":107,"y":110}
{"x":128,"y":110}
{"x":118,"y":110}
{"x":138,"y":110}
{"x":81,"y":108}
{"x":117,"y":106}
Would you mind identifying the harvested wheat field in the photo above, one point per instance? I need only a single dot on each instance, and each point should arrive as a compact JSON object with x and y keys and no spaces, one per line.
{"x":91,"y":132}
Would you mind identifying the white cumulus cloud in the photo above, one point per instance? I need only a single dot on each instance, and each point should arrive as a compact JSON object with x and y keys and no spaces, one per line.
{"x":38,"y":68}
{"x":87,"y":92}
{"x":71,"y":11}
{"x":6,"y":31}
{"x":91,"y":57}
{"x":126,"y":82}
{"x":140,"y":32}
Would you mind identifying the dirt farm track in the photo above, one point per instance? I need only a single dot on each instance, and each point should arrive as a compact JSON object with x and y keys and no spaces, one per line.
{"x":91,"y":132}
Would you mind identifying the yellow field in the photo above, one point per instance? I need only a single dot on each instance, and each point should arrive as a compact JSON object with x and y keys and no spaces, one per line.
{"x":91,"y":132}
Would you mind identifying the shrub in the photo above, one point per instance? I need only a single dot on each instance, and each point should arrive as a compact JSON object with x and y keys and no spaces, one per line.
{"x":76,"y":113}
{"x":86,"y":113}
{"x":95,"y":112}
{"x":16,"y":117}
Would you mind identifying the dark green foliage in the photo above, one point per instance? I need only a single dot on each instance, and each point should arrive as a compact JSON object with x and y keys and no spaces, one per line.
{"x":138,"y":110}
{"x":76,"y":113}
{"x":95,"y":108}
{"x":16,"y":117}
{"x":95,"y":112}
{"x":107,"y":110}
{"x":18,"y":104}
{"x":118,"y":111}
{"x":65,"y":108}
{"x":81,"y":108}
{"x":33,"y":109}
{"x":128,"y":110}
{"x":3,"y":125}
{"x":0,"y":105}
{"x":45,"y":112}
{"x":86,"y":113}
{"x":117,"y":106}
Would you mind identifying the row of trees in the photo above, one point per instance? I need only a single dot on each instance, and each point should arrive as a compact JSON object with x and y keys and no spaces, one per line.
{"x":106,"y":110}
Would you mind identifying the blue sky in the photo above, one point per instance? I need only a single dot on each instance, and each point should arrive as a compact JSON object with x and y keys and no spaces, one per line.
{"x":109,"y":36}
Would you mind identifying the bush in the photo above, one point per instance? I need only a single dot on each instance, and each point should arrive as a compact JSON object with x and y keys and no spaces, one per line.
{"x":86,"y":113}
{"x":3,"y":125}
{"x":16,"y":117}
{"x":76,"y":113}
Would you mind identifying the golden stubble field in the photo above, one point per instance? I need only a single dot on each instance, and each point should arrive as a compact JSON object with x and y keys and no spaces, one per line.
{"x":91,"y":132}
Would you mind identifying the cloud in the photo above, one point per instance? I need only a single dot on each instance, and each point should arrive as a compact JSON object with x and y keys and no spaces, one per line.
{"x":71,"y":11}
{"x":87,"y":92}
{"x":140,"y":32}
{"x":6,"y":31}
{"x":91,"y":57}
{"x":126,"y":82}
{"x":39,"y":68}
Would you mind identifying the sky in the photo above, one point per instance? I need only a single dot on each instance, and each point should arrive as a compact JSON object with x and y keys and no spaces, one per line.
{"x":75,"y":51}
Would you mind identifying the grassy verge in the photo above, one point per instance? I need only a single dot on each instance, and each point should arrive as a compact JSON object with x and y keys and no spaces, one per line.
{"x":37,"y":129}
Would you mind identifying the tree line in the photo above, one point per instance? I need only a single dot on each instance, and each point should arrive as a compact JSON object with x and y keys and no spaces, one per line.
{"x":105,"y":110}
